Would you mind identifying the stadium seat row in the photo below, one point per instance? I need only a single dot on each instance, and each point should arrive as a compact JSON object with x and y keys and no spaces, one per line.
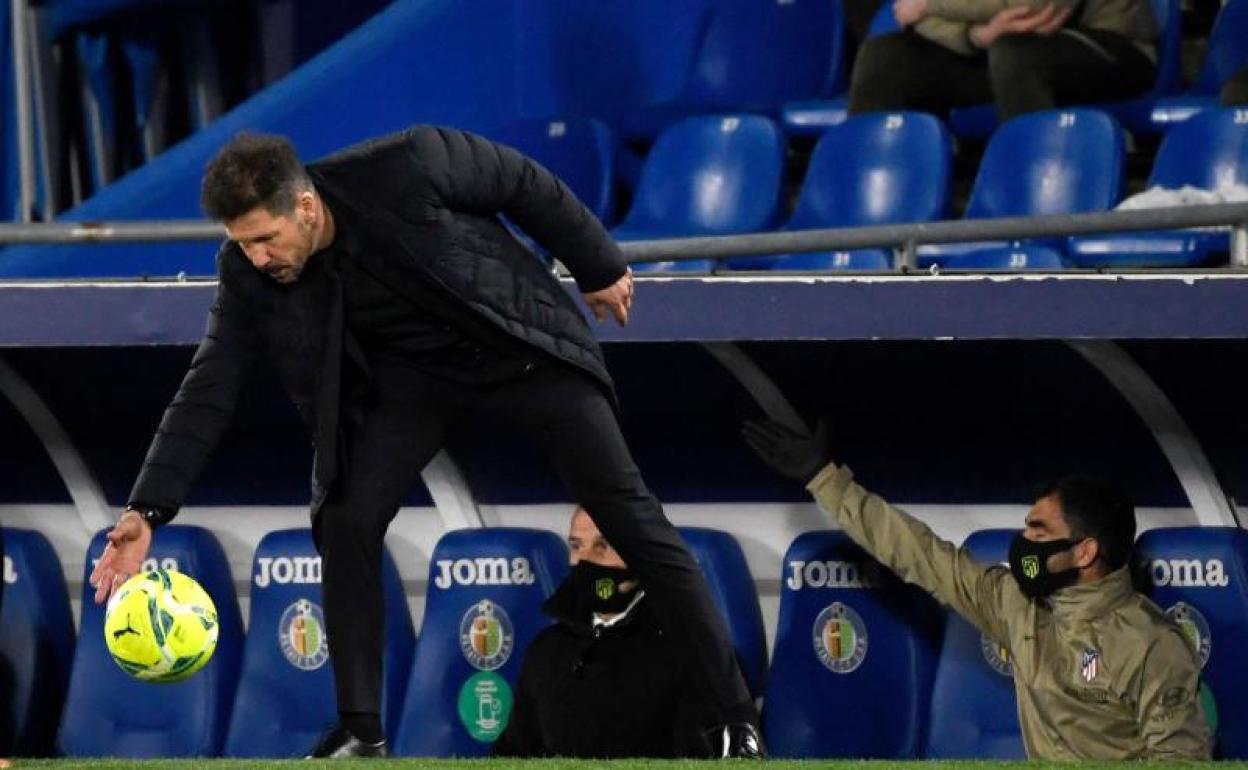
{"x":863,"y":665}
{"x":723,"y":175}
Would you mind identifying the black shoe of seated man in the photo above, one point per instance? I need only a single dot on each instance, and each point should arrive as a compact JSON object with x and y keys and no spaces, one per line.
{"x":738,"y":740}
{"x":339,"y":743}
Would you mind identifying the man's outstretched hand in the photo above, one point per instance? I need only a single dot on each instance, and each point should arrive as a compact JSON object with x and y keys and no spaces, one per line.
{"x":128,"y":543}
{"x":798,"y":455}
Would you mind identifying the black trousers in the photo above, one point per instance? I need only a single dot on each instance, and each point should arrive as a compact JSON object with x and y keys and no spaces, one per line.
{"x":1018,"y":73}
{"x":570,"y":417}
{"x":1235,"y":90}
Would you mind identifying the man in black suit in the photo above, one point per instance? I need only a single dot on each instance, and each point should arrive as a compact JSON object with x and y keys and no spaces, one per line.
{"x":384,"y":288}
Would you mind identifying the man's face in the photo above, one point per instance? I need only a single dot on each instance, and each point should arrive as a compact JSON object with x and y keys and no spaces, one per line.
{"x":1045,"y":522}
{"x":277,"y":245}
{"x":586,"y":543}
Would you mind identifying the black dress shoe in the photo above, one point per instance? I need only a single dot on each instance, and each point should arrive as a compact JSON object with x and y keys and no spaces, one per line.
{"x":339,"y":743}
{"x":739,"y":740}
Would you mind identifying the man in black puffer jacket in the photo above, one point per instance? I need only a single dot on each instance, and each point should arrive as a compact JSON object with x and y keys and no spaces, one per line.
{"x":385,"y":290}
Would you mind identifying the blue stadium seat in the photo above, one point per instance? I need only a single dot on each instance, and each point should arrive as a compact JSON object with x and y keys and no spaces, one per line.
{"x":36,"y":644}
{"x":1008,"y":258}
{"x":483,"y":608}
{"x":876,"y":169}
{"x":711,"y":175}
{"x":811,"y":117}
{"x":1054,"y":162}
{"x":1199,"y":576}
{"x":753,"y":55}
{"x":854,"y":657}
{"x":108,"y":713}
{"x":974,"y":710}
{"x":1205,"y":151}
{"x":981,"y":120}
{"x":580,"y":151}
{"x":1225,"y":54}
{"x":285,"y":697}
{"x":732,"y":588}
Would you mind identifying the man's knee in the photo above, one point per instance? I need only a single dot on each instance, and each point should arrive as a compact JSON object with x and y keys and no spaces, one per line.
{"x":881,"y":73}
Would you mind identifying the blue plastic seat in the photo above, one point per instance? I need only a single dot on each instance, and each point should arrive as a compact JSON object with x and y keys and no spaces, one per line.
{"x":854,"y":657}
{"x":875,"y":169}
{"x":36,"y":644}
{"x":285,"y":695}
{"x":1053,"y":162}
{"x":108,"y":713}
{"x":486,"y":589}
{"x":711,"y":175}
{"x":1225,"y":54}
{"x":1208,"y":150}
{"x":981,"y":120}
{"x":580,"y":151}
{"x":753,"y":55}
{"x":974,"y":710}
{"x":811,"y":117}
{"x":1027,"y":257}
{"x":1199,"y":576}
{"x":722,"y":561}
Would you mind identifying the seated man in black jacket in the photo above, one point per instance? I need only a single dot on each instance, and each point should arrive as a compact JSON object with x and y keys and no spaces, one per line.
{"x":604,"y":680}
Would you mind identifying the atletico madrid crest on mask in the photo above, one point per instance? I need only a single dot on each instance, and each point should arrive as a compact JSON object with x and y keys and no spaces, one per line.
{"x":1091,"y":664}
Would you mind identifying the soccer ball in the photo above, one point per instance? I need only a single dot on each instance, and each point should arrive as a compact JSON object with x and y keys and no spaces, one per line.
{"x":161,"y":626}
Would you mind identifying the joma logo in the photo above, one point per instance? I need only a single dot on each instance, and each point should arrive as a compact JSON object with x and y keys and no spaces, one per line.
{"x":283,"y":570}
{"x":1188,"y":573}
{"x":832,"y":574}
{"x":484,"y":571}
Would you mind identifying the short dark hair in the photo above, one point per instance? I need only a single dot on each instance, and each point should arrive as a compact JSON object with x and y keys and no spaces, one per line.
{"x":1095,"y":508}
{"x":253,"y":170}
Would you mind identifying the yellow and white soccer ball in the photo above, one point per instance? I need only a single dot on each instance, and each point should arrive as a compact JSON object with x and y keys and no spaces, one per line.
{"x":161,"y":626}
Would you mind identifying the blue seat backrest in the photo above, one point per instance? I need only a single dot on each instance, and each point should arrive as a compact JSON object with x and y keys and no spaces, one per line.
{"x":1226,"y":52}
{"x":1208,"y":150}
{"x":285,"y":696}
{"x":36,"y":644}
{"x":732,"y":588}
{"x":483,"y":608}
{"x":1053,"y":162}
{"x":974,"y":709}
{"x":580,"y":151}
{"x":1199,"y":576}
{"x":876,"y":169}
{"x":1168,"y":15}
{"x":710,"y":175}
{"x":855,"y":652}
{"x":757,"y":54}
{"x":109,"y":713}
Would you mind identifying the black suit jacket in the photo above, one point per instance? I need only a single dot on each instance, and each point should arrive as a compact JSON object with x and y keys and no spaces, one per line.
{"x":423,"y":207}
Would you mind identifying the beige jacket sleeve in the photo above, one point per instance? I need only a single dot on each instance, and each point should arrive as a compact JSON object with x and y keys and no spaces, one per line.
{"x":1172,"y":722}
{"x":908,"y":547}
{"x":979,"y":11}
{"x":950,"y":34}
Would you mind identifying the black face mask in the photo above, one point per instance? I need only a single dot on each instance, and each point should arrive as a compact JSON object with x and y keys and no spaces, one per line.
{"x":1029,"y":561}
{"x":598,"y":587}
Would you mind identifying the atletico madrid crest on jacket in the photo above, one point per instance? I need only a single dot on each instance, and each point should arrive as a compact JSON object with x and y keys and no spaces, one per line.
{"x":1091,"y":664}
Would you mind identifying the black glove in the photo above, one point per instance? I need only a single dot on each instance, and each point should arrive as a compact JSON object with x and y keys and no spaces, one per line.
{"x":798,"y":455}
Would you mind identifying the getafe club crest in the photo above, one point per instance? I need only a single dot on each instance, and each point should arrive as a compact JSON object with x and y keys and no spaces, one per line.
{"x":840,"y":638}
{"x":1195,"y":628}
{"x":301,"y":634}
{"x":485,"y":635}
{"x":997,"y":655}
{"x":1031,"y":566}
{"x":1090,"y":665}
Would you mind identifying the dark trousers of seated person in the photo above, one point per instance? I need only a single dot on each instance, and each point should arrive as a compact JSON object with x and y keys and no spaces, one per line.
{"x":1018,"y":73}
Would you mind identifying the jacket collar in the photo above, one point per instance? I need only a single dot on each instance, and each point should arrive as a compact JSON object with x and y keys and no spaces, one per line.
{"x":1087,"y":600}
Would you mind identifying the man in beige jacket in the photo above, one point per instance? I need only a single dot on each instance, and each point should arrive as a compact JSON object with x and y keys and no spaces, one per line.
{"x":1099,"y":671}
{"x":1022,"y":55}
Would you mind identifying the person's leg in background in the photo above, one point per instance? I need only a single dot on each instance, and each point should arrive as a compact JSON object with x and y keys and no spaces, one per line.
{"x":1235,"y":90}
{"x":1032,"y":72}
{"x":906,"y":71}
